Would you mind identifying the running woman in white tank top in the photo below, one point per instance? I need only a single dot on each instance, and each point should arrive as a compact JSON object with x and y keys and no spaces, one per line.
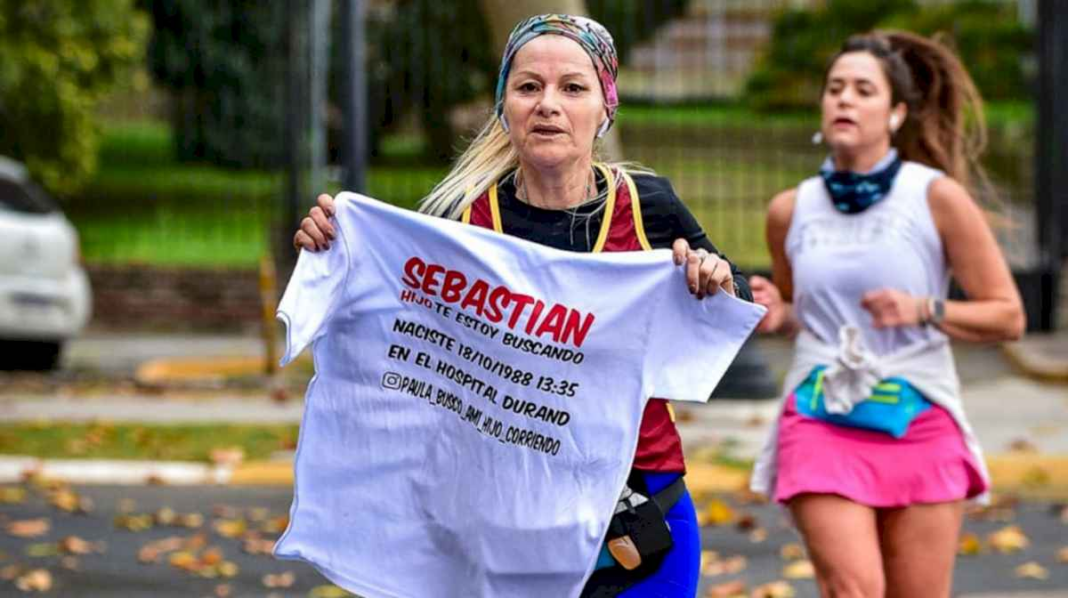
{"x":861,"y":256}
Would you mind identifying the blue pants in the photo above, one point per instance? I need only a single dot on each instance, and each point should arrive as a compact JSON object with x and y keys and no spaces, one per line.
{"x":678,"y":575}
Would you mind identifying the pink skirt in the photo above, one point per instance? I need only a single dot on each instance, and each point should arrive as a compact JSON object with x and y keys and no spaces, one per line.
{"x":930,"y":464}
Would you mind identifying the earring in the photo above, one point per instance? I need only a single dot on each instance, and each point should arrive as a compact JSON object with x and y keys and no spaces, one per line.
{"x":893,"y":123}
{"x":601,"y":130}
{"x":817,"y":138}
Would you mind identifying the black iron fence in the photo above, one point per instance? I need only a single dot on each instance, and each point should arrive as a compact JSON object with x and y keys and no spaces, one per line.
{"x":717,"y":95}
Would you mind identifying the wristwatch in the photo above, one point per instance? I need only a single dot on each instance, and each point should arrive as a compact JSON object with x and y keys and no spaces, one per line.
{"x":936,"y":311}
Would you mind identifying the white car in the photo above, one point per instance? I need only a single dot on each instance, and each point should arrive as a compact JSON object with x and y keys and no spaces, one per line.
{"x":44,"y":291}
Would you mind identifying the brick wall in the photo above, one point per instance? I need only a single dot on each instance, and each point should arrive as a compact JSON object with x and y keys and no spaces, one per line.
{"x":142,"y":297}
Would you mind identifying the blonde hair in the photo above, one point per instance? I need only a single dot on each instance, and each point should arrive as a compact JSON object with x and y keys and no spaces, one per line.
{"x":490,"y":156}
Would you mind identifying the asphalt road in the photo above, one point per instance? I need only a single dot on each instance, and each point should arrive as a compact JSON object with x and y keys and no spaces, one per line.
{"x":117,"y":572}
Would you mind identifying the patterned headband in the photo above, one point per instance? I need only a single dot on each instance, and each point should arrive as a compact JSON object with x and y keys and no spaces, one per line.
{"x":589,"y":34}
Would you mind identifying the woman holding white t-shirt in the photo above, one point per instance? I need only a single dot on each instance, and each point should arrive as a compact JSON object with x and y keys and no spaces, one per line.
{"x":872,"y":453}
{"x":531,"y":172}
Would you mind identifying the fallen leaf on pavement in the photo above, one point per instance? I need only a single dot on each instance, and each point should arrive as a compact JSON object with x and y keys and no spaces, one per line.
{"x":227,"y":569}
{"x":225,"y":512}
{"x":12,"y":495}
{"x":275,"y":525}
{"x":1032,"y":570}
{"x":10,"y":572}
{"x":134,"y":523}
{"x":792,"y":552}
{"x":731,"y":589}
{"x":211,"y":557}
{"x":716,"y":512}
{"x":1062,"y":555}
{"x":164,"y":516}
{"x":29,"y":528}
{"x":775,"y":589}
{"x":254,"y":544}
{"x":758,"y":535}
{"x":185,"y":560}
{"x":327,"y":591}
{"x":70,"y":563}
{"x":151,"y":552}
{"x":970,"y":545}
{"x":76,"y":545}
{"x":190,"y":520}
{"x":69,"y":501}
{"x":37,"y":580}
{"x":730,"y":566}
{"x":279,"y":580}
{"x":801,"y":569}
{"x":231,"y":528}
{"x":127,"y":505}
{"x":223,"y":590}
{"x":747,"y":522}
{"x":1008,"y":539}
{"x":258,"y":514}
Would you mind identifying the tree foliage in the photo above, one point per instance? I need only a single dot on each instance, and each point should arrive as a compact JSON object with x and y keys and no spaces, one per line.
{"x":57,"y":59}
{"x":990,"y":40}
{"x":223,"y":63}
{"x":632,"y":22}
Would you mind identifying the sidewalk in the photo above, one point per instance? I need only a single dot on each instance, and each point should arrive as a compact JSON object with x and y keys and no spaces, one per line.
{"x":1020,"y":418}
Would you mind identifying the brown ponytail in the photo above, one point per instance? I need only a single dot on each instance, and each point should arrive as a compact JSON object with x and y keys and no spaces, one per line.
{"x":945,"y":127}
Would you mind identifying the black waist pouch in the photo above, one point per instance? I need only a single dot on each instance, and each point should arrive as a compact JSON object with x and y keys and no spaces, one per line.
{"x":637,"y":529}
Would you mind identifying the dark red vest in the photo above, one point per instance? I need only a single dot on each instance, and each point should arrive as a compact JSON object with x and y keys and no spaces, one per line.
{"x":659,"y":446}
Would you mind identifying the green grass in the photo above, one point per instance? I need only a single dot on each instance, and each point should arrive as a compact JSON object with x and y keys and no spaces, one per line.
{"x":145,"y":207}
{"x":115,"y":441}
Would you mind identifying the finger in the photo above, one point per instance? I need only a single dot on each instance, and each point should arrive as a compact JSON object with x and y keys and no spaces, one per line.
{"x":318,"y":215}
{"x":680,"y":250}
{"x":693,"y":273}
{"x":308,"y":226}
{"x":301,"y":240}
{"x":708,"y":282}
{"x":720,"y":279}
{"x":758,"y":283}
{"x":326,"y":203}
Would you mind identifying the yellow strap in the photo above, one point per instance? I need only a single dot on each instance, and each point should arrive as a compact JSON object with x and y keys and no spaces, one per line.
{"x":466,"y":216}
{"x":671,"y":412}
{"x":609,"y":207}
{"x":495,"y":208}
{"x":636,"y":210}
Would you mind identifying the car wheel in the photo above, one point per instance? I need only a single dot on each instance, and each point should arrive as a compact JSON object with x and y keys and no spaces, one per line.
{"x":36,"y":356}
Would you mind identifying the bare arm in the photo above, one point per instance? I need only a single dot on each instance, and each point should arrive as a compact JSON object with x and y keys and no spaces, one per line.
{"x":777,"y":294}
{"x":993,"y":311}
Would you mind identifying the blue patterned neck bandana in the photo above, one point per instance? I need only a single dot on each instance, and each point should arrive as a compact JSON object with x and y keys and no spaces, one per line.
{"x":851,"y":192}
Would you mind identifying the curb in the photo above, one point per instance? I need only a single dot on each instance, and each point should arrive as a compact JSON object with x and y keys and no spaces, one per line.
{"x":1037,"y":365}
{"x":1025,"y":473}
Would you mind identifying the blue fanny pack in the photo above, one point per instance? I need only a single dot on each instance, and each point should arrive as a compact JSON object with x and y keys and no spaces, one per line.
{"x":892,"y":406}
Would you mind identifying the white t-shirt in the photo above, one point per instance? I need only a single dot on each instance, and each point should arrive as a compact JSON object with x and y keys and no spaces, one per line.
{"x":476,"y":403}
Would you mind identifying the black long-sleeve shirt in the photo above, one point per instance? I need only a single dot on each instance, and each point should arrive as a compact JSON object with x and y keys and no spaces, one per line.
{"x":664,"y":216}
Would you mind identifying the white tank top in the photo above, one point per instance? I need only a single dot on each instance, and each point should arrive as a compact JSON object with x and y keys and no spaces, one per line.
{"x":837,"y":258}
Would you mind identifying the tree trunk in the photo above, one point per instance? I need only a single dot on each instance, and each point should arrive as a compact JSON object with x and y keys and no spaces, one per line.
{"x":503,"y":16}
